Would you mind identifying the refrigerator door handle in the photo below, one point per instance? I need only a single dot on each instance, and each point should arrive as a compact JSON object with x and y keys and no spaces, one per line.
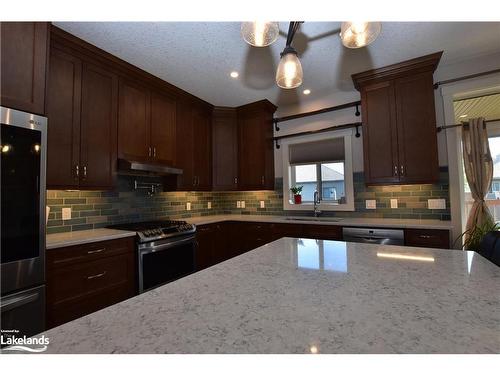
{"x":14,"y":302}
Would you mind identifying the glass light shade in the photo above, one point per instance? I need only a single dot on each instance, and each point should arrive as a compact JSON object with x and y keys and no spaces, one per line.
{"x":260,"y":34}
{"x":289,"y":74}
{"x":359,"y":34}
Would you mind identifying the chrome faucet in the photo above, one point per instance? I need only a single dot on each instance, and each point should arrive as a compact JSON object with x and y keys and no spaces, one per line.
{"x":317,"y":201}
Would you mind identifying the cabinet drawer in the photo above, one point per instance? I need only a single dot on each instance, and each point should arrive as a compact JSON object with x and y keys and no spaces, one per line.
{"x":436,"y":238}
{"x":66,"y":256}
{"x":322,"y":232}
{"x":78,"y":280}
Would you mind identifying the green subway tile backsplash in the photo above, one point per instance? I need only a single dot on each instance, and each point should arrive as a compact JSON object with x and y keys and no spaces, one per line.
{"x":97,"y":209}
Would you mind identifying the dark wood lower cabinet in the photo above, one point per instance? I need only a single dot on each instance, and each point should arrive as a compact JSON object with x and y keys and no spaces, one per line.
{"x":435,"y":238}
{"x":85,"y":278}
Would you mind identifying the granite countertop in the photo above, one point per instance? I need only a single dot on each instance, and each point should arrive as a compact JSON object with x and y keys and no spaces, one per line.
{"x":56,"y":240}
{"x":359,"y":222}
{"x":303,"y":296}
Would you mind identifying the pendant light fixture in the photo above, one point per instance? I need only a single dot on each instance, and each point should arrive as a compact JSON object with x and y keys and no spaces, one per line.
{"x":359,"y":34}
{"x":260,"y":34}
{"x":289,"y":74}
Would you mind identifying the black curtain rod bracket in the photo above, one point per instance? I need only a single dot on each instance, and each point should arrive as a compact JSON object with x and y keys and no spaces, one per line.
{"x":277,"y":143}
{"x":276,"y":127}
{"x":357,"y":113}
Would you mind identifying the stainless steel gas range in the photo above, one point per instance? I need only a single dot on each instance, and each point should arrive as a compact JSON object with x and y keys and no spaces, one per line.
{"x":166,"y":251}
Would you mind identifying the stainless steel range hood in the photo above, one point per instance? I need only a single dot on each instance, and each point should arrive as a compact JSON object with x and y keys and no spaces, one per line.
{"x":142,"y":168}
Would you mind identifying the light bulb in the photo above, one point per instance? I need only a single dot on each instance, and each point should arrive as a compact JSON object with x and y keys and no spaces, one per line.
{"x":359,"y":34}
{"x":260,"y":34}
{"x":289,"y":73}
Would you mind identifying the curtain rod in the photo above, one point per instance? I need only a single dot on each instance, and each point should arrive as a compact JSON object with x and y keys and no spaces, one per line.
{"x":310,"y":132}
{"x":317,"y":112}
{"x":439,"y":83}
{"x":439,"y":128}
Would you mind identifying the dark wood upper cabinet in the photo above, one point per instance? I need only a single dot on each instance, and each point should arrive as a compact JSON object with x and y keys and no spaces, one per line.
{"x":255,"y":146}
{"x":82,"y":111}
{"x":63,"y":111}
{"x":399,"y":125}
{"x":225,"y":149}
{"x":202,"y":142}
{"x":134,"y":129}
{"x":185,"y":149}
{"x":163,"y":127}
{"x":24,"y":51}
{"x":98,"y":127}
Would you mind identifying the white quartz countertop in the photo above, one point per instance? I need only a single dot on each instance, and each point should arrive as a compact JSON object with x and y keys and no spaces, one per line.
{"x":57,"y":240}
{"x":302,"y":296}
{"x":356,"y":222}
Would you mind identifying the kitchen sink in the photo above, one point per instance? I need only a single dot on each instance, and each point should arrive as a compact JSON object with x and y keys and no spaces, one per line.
{"x":325,"y":219}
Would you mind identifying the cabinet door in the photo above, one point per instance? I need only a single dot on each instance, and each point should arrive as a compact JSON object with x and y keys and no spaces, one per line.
{"x":205,"y":252}
{"x":416,"y":125}
{"x":163,"y":110}
{"x":98,"y":127}
{"x":380,"y":134}
{"x":225,"y":149}
{"x":251,"y":155}
{"x":24,"y":62}
{"x":184,"y":152}
{"x":202,"y":137}
{"x":134,"y":121}
{"x":63,"y":110}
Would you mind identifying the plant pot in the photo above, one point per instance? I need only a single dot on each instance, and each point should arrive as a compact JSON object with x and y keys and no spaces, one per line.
{"x":297,"y":199}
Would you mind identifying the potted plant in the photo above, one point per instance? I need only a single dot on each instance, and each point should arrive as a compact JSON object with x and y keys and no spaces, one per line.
{"x":296,"y":191}
{"x":476,"y":234}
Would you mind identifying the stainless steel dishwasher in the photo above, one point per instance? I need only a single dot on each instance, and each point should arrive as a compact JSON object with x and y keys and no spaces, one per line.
{"x":374,"y":235}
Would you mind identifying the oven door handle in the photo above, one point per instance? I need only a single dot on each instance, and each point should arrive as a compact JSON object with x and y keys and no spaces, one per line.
{"x":14,"y":302}
{"x":157,"y":248}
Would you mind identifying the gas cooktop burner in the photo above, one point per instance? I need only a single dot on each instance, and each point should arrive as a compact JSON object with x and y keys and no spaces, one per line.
{"x":158,"y":229}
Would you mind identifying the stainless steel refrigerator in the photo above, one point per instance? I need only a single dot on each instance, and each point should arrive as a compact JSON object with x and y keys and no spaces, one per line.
{"x":23,"y":150}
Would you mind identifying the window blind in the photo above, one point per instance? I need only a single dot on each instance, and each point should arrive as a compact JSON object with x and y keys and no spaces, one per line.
{"x":318,"y":151}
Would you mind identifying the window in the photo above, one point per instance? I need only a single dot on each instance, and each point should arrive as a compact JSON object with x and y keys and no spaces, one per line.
{"x":321,"y":163}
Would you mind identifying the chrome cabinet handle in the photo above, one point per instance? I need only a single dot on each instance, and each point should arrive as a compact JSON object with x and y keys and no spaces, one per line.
{"x":77,"y":172}
{"x":425,"y":237}
{"x":154,"y":152}
{"x":84,"y":172}
{"x":95,"y":251}
{"x":263,"y":180}
{"x":402,"y":170}
{"x":149,"y":151}
{"x":395,"y":170}
{"x":236,"y":180}
{"x":96,"y":276}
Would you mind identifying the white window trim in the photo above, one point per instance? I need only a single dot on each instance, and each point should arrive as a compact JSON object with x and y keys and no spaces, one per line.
{"x":348,"y":171}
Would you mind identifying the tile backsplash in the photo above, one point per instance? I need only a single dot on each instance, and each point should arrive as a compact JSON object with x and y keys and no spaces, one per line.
{"x":96,"y":209}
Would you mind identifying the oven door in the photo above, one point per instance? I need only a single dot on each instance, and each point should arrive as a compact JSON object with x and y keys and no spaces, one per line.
{"x":166,"y":260}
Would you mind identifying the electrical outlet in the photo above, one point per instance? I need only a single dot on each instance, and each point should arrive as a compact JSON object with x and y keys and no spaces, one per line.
{"x":209,"y":205}
{"x":394,"y":203}
{"x":66,"y":213}
{"x":238,"y":204}
{"x":436,"y":204}
{"x":371,"y":204}
{"x":242,"y":204}
{"x":188,"y":206}
{"x":262,"y":204}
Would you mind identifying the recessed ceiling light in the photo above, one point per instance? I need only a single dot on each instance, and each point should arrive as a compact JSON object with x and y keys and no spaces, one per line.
{"x":234,"y":74}
{"x":462,"y":116}
{"x":306,"y":92}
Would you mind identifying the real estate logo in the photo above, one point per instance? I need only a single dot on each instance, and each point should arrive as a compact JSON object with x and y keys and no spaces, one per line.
{"x":12,"y":342}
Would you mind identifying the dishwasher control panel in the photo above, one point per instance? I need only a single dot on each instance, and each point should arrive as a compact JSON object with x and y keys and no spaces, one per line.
{"x":374,"y":235}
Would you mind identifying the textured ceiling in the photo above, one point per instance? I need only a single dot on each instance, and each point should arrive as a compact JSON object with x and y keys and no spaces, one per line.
{"x":198,"y":56}
{"x":484,"y":106}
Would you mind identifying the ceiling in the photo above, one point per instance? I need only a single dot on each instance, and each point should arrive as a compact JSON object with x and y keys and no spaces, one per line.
{"x":198,"y":56}
{"x":487,"y":106}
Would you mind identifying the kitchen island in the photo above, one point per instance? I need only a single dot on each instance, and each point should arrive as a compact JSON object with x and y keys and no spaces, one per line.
{"x":307,"y":296}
